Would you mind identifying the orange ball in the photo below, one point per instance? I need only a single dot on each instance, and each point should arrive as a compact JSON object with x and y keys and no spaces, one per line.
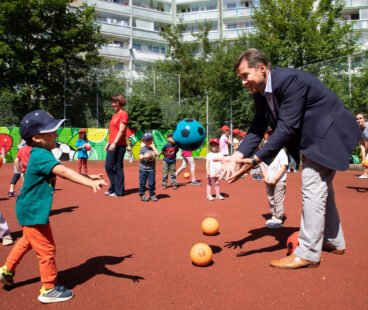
{"x":365,"y":162}
{"x":201,"y":254}
{"x":1,"y":161}
{"x":186,"y":175}
{"x":292,"y":242}
{"x":210,"y":226}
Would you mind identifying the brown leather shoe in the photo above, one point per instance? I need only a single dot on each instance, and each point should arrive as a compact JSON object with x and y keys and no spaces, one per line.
{"x":328,"y":247}
{"x":293,"y":262}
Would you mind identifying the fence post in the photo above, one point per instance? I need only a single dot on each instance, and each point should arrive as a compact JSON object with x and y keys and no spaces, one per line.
{"x":64,"y":93}
{"x":97,"y":101}
{"x":349,"y":59}
{"x":231,"y":126}
{"x":154,"y":83}
{"x":207,"y":120}
{"x":179,"y":93}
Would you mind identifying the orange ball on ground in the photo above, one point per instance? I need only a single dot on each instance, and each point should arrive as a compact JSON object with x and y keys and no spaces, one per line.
{"x":210,"y":226}
{"x":186,"y":175}
{"x":201,"y":254}
{"x":365,"y":162}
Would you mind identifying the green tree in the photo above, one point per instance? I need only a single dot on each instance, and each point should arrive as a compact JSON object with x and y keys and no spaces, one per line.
{"x":144,"y":113}
{"x":297,"y":33}
{"x":42,"y":42}
{"x":225,"y":89}
{"x":189,"y":60}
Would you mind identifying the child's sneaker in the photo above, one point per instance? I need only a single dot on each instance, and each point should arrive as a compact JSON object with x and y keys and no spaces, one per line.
{"x":154,"y":198}
{"x":196,"y":183}
{"x":274,"y":223}
{"x":220,"y":197}
{"x":7,"y":240}
{"x":12,"y":194}
{"x":6,"y":276}
{"x":144,"y":198}
{"x":164,"y":186}
{"x":210,"y":198}
{"x":56,"y":294}
{"x":175,"y":186}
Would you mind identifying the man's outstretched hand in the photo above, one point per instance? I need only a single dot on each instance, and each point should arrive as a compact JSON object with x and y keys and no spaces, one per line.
{"x":233,"y":167}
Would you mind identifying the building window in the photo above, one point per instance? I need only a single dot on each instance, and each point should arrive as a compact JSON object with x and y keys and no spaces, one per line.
{"x":156,"y":49}
{"x":231,"y":5}
{"x":354,"y":16}
{"x":119,"y":66}
{"x":232,"y":25}
{"x":123,"y":2}
{"x":163,"y":50}
{"x":137,"y":46}
{"x":138,"y":68}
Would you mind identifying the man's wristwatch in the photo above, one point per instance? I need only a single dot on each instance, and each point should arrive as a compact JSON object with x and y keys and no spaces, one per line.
{"x":254,"y":162}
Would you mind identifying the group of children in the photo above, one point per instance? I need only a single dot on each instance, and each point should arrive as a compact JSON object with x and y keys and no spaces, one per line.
{"x":147,"y":165}
{"x":39,"y":130}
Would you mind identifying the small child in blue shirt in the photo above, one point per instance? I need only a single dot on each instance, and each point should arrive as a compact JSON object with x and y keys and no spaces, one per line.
{"x":169,"y":163}
{"x":80,"y":144}
{"x":147,"y":168}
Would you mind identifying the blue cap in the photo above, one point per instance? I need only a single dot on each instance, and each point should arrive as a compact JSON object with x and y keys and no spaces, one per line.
{"x":38,"y":121}
{"x":170,"y":134}
{"x":147,"y":136}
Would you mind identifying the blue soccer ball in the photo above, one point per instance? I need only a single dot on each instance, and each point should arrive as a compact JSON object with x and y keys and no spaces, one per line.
{"x":189,"y":134}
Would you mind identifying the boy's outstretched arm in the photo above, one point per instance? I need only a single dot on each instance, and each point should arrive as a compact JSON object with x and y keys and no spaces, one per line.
{"x":71,"y":175}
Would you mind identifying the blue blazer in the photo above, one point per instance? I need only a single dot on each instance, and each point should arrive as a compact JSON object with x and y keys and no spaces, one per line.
{"x":310,"y":119}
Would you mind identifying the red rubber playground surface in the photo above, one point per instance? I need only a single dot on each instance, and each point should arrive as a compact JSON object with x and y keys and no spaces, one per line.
{"x":121,"y":253}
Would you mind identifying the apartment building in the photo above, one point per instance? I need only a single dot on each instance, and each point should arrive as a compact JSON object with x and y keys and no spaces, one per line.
{"x":132,"y":27}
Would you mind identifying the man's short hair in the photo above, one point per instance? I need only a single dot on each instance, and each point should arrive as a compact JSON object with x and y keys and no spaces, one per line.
{"x":119,"y":99}
{"x":362,"y":113}
{"x":253,"y":57}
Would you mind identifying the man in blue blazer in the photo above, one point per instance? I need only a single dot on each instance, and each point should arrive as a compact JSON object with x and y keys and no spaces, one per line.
{"x":307,"y":118}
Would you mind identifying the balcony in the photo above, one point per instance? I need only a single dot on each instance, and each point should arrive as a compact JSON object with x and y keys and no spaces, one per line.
{"x":239,"y":12}
{"x":185,"y":1}
{"x":110,"y":7}
{"x":115,"y":52}
{"x":355,"y":3}
{"x":146,"y":56}
{"x":359,"y":24}
{"x":115,"y":30}
{"x":147,"y":35}
{"x":199,"y":16}
{"x":230,"y":34}
{"x":212,"y":35}
{"x":151,"y":14}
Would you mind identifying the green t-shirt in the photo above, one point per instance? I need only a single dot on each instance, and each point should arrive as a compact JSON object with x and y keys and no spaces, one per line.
{"x":35,"y":200}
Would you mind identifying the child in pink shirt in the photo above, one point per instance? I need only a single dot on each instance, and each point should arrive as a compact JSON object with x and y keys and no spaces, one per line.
{"x":188,"y":158}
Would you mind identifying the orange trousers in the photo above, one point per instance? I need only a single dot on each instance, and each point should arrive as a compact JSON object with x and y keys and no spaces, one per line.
{"x":39,"y":238}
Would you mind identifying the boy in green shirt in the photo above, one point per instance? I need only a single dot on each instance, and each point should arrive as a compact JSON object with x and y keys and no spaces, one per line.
{"x":33,"y":205}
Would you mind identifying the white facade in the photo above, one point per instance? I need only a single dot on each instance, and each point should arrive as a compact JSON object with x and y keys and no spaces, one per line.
{"x":133,"y":27}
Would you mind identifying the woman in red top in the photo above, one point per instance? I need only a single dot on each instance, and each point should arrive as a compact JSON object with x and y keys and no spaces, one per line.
{"x":116,"y":147}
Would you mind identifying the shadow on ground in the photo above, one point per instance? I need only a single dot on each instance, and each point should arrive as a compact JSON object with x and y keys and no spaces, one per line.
{"x":281,"y":235}
{"x":72,"y":277}
{"x":358,"y":189}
